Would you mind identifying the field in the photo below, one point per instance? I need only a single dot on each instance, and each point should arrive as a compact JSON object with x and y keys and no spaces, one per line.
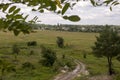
{"x":76,"y":43}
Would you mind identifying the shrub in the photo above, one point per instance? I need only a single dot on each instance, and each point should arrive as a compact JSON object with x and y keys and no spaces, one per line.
{"x":84,"y":54}
{"x":28,"y":65}
{"x":15,"y":49}
{"x":60,"y":42}
{"x":31,"y":52}
{"x":48,"y":55}
{"x":62,"y":63}
{"x":32,"y":43}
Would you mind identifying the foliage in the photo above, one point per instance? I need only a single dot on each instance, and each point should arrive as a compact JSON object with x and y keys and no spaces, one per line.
{"x":64,"y":63}
{"x":15,"y":49}
{"x":31,"y":43}
{"x":108,"y":45}
{"x":15,"y":21}
{"x":109,"y":3}
{"x":28,"y":65}
{"x":48,"y":55}
{"x":60,"y":42}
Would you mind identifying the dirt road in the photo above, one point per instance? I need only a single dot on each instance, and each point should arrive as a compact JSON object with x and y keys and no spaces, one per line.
{"x":79,"y":70}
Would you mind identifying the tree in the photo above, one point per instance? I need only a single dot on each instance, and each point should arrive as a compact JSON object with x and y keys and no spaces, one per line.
{"x":48,"y":55}
{"x":16,"y":21}
{"x":107,"y":45}
{"x":60,"y":42}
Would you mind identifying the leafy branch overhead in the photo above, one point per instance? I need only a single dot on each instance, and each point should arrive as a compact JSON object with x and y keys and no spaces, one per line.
{"x":109,"y":3}
{"x":16,"y":21}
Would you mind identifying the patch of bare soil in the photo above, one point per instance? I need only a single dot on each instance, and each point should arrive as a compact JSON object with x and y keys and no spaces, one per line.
{"x":78,"y":71}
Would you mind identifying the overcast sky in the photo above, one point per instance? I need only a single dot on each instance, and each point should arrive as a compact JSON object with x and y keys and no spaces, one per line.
{"x":89,"y":15}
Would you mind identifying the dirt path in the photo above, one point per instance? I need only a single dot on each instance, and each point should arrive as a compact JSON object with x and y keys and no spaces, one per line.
{"x":78,"y":71}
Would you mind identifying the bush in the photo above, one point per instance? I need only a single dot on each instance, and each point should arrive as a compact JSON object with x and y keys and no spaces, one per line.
{"x":48,"y":55}
{"x":28,"y":65}
{"x":62,"y":63}
{"x":32,"y":43}
{"x":60,"y":42}
{"x":15,"y":49}
{"x":84,"y":54}
{"x":31,"y":52}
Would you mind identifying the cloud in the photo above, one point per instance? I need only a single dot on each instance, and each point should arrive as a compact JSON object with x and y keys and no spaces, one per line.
{"x":89,"y":14}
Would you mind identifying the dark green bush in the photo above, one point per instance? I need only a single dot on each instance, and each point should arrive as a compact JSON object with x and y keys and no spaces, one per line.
{"x":32,"y":43}
{"x":28,"y":65}
{"x":48,"y":55}
{"x":60,"y":42}
{"x":15,"y":49}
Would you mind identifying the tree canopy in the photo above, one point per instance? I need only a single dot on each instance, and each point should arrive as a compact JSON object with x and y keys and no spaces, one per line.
{"x":16,"y":21}
{"x":107,"y":45}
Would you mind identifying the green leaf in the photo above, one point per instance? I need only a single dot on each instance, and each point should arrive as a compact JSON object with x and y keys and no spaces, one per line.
{"x":74,"y":18}
{"x":18,"y":16}
{"x":58,"y":3}
{"x":42,"y":11}
{"x":34,"y":9}
{"x":52,"y":6}
{"x":12,"y":9}
{"x":9,"y":16}
{"x":5,"y":7}
{"x":62,"y":1}
{"x":16,"y":32}
{"x":73,"y":4}
{"x":59,"y":12}
{"x":110,"y":8}
{"x":65,"y":8}
{"x":65,"y":17}
{"x":16,"y":11}
{"x":116,"y":4}
{"x":26,"y":17}
{"x":107,"y":1}
{"x":93,"y":2}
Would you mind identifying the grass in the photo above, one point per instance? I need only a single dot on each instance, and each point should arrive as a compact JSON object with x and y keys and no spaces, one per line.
{"x":75,"y":42}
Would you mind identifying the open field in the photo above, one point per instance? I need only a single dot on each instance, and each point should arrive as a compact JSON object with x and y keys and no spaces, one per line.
{"x":76,"y":44}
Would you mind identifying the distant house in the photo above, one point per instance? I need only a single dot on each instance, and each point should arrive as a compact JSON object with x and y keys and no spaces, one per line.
{"x":83,"y":28}
{"x":65,"y":28}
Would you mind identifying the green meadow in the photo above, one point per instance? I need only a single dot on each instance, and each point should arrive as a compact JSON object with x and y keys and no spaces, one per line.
{"x":76,"y":44}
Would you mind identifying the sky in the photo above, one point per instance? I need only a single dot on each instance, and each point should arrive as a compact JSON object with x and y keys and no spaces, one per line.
{"x":89,"y":15}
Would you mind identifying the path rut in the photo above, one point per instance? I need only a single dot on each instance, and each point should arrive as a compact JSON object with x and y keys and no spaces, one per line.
{"x":79,"y":70}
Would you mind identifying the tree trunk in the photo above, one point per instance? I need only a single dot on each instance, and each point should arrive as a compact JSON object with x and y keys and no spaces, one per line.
{"x":110,"y":66}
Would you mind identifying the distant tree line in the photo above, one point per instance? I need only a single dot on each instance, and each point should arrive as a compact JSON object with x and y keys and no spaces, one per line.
{"x":73,"y":28}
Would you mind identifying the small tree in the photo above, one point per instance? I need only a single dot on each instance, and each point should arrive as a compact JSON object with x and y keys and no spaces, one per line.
{"x":60,"y":42}
{"x":49,"y":56}
{"x":15,"y":50}
{"x":107,"y":45}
